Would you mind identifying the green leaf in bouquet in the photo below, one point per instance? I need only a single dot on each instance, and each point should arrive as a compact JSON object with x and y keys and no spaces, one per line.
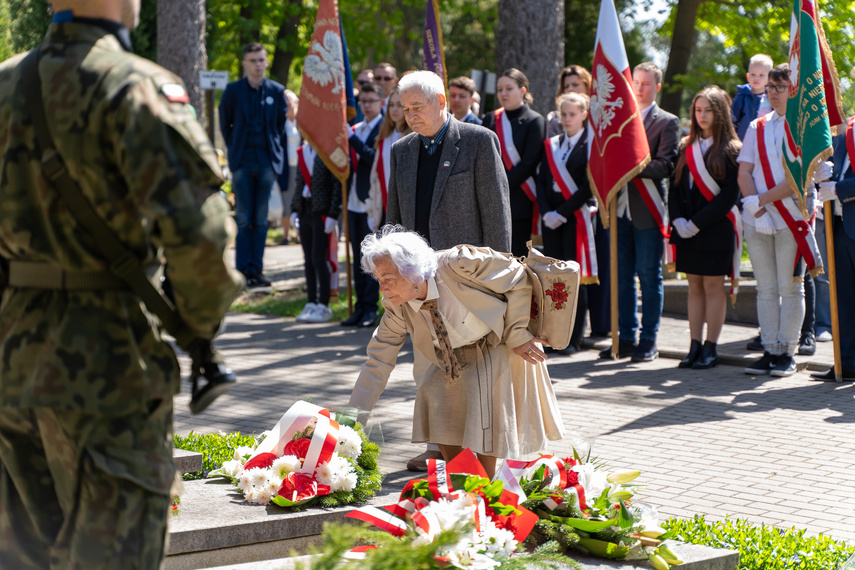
{"x":494,"y":490}
{"x":283,"y":502}
{"x":586,"y":525}
{"x":625,"y":518}
{"x":602,"y":503}
{"x":619,"y":496}
{"x":473,"y":483}
{"x":603,"y":548}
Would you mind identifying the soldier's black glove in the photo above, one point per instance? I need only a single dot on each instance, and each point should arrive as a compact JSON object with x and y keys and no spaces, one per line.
{"x":207,"y":364}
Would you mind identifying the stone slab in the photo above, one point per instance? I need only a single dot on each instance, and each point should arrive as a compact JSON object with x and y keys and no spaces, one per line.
{"x":694,"y":556}
{"x":676,"y":299}
{"x":187,"y":461}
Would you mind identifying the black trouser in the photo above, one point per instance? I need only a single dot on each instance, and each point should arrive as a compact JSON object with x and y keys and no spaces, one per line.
{"x":520,"y":234}
{"x":810,"y":305}
{"x":560,"y":243}
{"x":365,"y":286}
{"x":315,"y":247}
{"x":599,"y":302}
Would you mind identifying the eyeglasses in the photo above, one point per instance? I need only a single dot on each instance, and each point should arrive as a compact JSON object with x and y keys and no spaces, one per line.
{"x":380,"y":78}
{"x":776,"y":88}
{"x":362,"y":81}
{"x":369,"y":101}
{"x":256,"y":60}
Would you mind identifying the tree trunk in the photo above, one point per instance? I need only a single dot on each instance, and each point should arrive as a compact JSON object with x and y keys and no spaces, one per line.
{"x":181,"y":45}
{"x":682,"y":44}
{"x":530,"y":37}
{"x":286,"y":41}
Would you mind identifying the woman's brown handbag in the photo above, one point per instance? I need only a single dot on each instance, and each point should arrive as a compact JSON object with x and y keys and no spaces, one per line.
{"x":555,"y":293}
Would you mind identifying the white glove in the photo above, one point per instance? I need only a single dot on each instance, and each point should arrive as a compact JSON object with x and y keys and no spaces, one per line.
{"x":751,"y":204}
{"x":329,"y":225}
{"x":371,"y":225}
{"x":306,"y":192}
{"x":823,"y":172}
{"x":553,"y":220}
{"x":691,"y":229}
{"x":764,"y":225}
{"x":295,"y":220}
{"x":827,"y":191}
{"x":680,"y":225}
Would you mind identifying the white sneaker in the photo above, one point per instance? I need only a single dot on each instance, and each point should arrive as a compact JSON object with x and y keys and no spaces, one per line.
{"x":307,"y":310}
{"x":321,"y":314}
{"x":824,"y":336}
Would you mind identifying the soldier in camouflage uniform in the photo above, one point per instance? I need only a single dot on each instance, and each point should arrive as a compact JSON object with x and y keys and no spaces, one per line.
{"x":86,"y":381}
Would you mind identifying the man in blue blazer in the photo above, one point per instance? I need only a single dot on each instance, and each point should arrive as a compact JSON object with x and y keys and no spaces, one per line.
{"x":461,"y":95}
{"x":840,"y":190}
{"x":252,"y":119}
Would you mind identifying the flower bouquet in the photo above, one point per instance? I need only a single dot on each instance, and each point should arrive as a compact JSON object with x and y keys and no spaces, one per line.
{"x":583,"y":508}
{"x":310,"y":456}
{"x":471,"y":522}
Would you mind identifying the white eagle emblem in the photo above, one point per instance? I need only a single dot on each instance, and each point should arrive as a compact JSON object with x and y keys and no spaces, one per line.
{"x":602,"y":108}
{"x":325,"y":63}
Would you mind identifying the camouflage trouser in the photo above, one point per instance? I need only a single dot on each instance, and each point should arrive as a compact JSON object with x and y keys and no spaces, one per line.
{"x":83,"y":491}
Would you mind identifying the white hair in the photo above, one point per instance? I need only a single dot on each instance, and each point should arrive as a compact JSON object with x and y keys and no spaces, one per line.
{"x":411,"y":254}
{"x":429,"y":82}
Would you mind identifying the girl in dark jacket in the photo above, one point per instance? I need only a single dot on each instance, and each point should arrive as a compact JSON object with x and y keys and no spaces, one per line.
{"x":706,"y":224}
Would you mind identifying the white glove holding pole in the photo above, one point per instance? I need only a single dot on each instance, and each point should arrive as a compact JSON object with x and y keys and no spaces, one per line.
{"x":295,"y":220}
{"x":751,"y":204}
{"x":827,"y":191}
{"x":823,"y":172}
{"x":764,"y":224}
{"x":329,"y":225}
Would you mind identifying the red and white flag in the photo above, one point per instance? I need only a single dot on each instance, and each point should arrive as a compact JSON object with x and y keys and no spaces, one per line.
{"x":617,"y":142}
{"x":322,"y":118}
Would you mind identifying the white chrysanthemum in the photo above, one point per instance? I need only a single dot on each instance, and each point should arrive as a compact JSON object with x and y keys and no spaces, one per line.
{"x":471,"y":558}
{"x":347,"y":482}
{"x":273,"y":484}
{"x":258,"y":476}
{"x":285,"y":465}
{"x":349,"y":443}
{"x":231,"y":468}
{"x":329,"y":473}
{"x":245,"y":482}
{"x":500,"y":543}
{"x":250,"y":495}
{"x":243,"y":453}
{"x":263,"y":496}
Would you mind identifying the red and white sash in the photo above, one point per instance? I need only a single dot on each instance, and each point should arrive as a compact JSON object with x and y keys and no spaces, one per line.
{"x":850,"y":142}
{"x":586,"y":253}
{"x":384,"y":160}
{"x":710,"y":189}
{"x":654,"y":202}
{"x":511,"y":157}
{"x":773,"y":174}
{"x":306,"y":162}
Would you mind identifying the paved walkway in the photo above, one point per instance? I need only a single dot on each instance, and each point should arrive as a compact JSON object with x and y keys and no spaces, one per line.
{"x":717,"y":442}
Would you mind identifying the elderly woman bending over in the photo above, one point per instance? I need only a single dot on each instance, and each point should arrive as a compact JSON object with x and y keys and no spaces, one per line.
{"x":486,"y":386}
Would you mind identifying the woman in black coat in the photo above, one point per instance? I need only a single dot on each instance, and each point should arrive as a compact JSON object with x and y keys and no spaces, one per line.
{"x":705,"y":221}
{"x":566,"y":203}
{"x":522,"y":150}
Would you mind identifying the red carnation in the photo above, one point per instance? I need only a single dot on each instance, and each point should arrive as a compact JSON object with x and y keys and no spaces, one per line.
{"x":298,"y":448}
{"x":262,"y":461}
{"x":572,"y":478}
{"x":298,"y":486}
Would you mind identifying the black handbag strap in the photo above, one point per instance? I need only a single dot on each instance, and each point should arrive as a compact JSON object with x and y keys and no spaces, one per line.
{"x":120,"y":260}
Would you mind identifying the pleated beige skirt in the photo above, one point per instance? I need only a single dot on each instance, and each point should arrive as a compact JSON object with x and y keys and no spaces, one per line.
{"x":500,"y":406}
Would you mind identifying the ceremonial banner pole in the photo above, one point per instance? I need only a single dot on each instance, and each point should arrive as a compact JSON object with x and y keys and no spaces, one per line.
{"x":832,"y":289}
{"x":350,"y":101}
{"x":613,"y":270}
{"x":323,"y":111}
{"x":617,"y":141}
{"x":434,"y":52}
{"x":814,"y":111}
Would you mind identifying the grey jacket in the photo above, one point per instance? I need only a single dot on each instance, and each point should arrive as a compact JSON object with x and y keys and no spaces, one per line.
{"x":470,"y":198}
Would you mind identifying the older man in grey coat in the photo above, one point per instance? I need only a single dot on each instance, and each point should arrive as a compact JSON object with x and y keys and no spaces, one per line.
{"x":446,"y":182}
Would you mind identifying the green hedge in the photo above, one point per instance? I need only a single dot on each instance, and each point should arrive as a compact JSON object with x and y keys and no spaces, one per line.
{"x":763,"y":547}
{"x":216,"y":448}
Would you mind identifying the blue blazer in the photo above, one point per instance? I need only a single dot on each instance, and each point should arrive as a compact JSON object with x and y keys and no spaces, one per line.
{"x":234,"y":123}
{"x":846,"y":187}
{"x":472,"y":119}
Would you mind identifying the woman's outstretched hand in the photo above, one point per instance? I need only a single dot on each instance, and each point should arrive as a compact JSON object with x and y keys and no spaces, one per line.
{"x":531,"y":351}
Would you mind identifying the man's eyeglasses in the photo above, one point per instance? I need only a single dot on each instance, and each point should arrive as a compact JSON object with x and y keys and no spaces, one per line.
{"x":381,"y":78}
{"x":776,"y":88}
{"x":362,"y":81}
{"x":369,"y":101}
{"x":255,"y":60}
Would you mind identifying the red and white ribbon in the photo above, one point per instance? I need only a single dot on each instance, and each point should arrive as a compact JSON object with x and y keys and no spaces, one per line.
{"x":384,"y":160}
{"x":306,"y":162}
{"x":650,"y":194}
{"x":511,"y":157}
{"x":709,"y":189}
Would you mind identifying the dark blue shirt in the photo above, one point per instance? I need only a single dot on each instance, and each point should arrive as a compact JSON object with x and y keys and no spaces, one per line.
{"x":433,"y":143}
{"x":255,"y":151}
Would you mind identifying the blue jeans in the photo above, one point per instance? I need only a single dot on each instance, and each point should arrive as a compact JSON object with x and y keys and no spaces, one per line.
{"x":251,"y":187}
{"x":639,"y":252}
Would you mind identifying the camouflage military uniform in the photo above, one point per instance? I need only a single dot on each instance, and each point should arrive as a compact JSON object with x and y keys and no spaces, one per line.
{"x":86,"y":381}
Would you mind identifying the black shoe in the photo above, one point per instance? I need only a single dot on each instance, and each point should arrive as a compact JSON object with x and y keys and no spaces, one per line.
{"x":262,"y":280}
{"x":625,"y":349}
{"x":220,"y":379}
{"x":566,"y":351}
{"x":828,"y":375}
{"x":251,"y":282}
{"x":256,"y":283}
{"x":708,"y":357}
{"x":368,"y":320}
{"x":646,"y":351}
{"x":786,"y":366}
{"x":755,"y":345}
{"x":764,"y":365}
{"x":694,"y":352}
{"x":807,"y":344}
{"x":353,"y":320}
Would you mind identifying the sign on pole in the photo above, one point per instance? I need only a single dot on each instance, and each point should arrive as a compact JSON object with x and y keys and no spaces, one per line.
{"x":213,"y":80}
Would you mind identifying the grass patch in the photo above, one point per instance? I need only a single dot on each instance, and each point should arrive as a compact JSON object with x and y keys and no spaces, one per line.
{"x":763,"y":547}
{"x":286,"y":304}
{"x":216,"y":449}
